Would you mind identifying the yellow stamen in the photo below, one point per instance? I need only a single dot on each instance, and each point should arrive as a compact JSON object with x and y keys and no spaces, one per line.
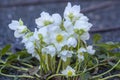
{"x":70,"y":73}
{"x":59,"y":38}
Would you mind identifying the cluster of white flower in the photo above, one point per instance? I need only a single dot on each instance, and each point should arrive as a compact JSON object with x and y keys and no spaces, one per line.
{"x":55,"y":36}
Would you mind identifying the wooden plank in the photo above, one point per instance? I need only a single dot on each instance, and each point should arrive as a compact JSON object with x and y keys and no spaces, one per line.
{"x":17,"y":3}
{"x":99,"y":18}
{"x":113,"y":36}
{"x":96,"y":30}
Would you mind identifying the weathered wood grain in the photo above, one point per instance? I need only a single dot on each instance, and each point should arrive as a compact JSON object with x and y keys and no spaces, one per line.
{"x":103,"y":19}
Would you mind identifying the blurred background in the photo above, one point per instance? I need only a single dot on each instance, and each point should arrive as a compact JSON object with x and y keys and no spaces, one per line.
{"x":103,"y":14}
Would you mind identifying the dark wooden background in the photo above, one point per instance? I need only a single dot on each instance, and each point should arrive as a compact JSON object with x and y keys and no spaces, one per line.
{"x":103,"y":14}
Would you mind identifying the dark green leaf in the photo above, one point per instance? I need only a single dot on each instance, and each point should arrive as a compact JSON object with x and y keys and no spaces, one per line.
{"x":115,"y":54}
{"x":4,"y":50}
{"x":118,"y":67}
{"x":96,"y":38}
{"x":102,"y":56}
{"x":109,"y":46}
{"x":12,"y":57}
{"x":85,"y":76}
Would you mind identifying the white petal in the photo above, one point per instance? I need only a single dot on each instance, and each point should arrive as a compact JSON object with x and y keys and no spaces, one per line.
{"x":57,"y":19}
{"x":14,"y":25}
{"x":72,"y":42}
{"x":17,"y":34}
{"x":81,"y":50}
{"x":90,"y":50}
{"x":85,"y":36}
{"x":81,"y":58}
{"x":76,"y":8}
{"x":39,"y":22}
{"x":68,"y":27}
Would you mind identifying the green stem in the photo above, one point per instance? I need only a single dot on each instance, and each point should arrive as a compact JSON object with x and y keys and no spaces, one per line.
{"x":54,"y":76}
{"x":3,"y":62}
{"x":25,"y":76}
{"x":37,"y":75}
{"x":42,"y":63}
{"x":28,"y":65}
{"x":77,"y":65}
{"x":78,"y":43}
{"x":47,"y":61}
{"x":116,"y":75}
{"x":106,"y":71}
{"x":95,"y":66}
{"x":54,"y":63}
{"x":19,"y":68}
{"x":15,"y":67}
{"x":58,"y":68}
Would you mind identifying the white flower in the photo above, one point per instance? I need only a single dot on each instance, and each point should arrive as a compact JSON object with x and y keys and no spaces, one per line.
{"x":72,"y":42}
{"x":90,"y":50}
{"x":46,"y":19}
{"x":81,"y":50}
{"x":65,"y":54}
{"x":69,"y":27}
{"x":31,"y":49}
{"x":80,"y":57}
{"x":58,"y":38}
{"x":28,"y":37}
{"x":14,"y":25}
{"x":19,"y":28}
{"x":85,"y":36}
{"x":30,"y":44}
{"x":83,"y":17}
{"x":42,"y":35}
{"x":69,"y":71}
{"x":72,"y":13}
{"x":35,"y":35}
{"x":82,"y":25}
{"x":81,"y":54}
{"x":57,"y":19}
{"x":49,"y":50}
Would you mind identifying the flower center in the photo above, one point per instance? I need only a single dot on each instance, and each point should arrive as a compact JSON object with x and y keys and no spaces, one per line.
{"x":81,"y":54}
{"x":71,"y":16}
{"x":80,"y":32}
{"x":70,"y":73}
{"x":59,"y":38}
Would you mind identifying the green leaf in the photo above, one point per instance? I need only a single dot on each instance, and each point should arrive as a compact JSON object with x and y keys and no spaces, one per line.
{"x":11,"y":58}
{"x":115,"y":54}
{"x":4,"y":50}
{"x":111,"y":63}
{"x":96,"y":38}
{"x":23,"y":54}
{"x":118,"y":67}
{"x":109,"y":46}
{"x":18,"y":56}
{"x":102,"y":56}
{"x":85,"y":76}
{"x":20,"y":22}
